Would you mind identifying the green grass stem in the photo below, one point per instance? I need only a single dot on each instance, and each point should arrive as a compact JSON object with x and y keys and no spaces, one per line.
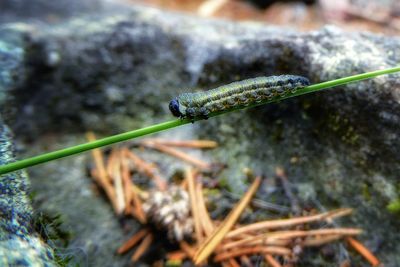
{"x":175,"y":123}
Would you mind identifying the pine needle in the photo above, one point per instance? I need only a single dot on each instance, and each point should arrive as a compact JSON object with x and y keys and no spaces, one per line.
{"x":215,"y":239}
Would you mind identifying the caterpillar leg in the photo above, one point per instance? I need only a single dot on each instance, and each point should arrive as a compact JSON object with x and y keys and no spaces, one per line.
{"x":204,"y":113}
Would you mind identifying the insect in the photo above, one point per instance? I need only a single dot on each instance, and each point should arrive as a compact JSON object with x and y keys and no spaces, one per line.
{"x":236,"y":94}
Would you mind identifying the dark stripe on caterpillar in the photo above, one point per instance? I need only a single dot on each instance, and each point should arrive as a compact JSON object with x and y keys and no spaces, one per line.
{"x":233,"y":95}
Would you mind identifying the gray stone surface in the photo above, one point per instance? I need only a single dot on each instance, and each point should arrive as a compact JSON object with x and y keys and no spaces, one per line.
{"x":95,"y":230}
{"x":114,"y":73}
{"x":51,"y":11}
{"x":20,"y":245}
{"x":12,"y":68}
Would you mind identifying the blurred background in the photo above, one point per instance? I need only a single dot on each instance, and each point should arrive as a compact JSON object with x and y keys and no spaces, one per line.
{"x":372,"y":15}
{"x":377,"y":16}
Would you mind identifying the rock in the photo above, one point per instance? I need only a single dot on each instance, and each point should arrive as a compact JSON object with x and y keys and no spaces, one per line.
{"x":20,"y":245}
{"x":16,"y":10}
{"x":12,"y":68}
{"x":118,"y":72}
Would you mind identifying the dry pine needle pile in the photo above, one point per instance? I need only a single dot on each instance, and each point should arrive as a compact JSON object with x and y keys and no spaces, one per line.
{"x":180,"y":210}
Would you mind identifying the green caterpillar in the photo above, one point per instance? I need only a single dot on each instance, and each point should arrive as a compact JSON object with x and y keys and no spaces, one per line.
{"x":230,"y":96}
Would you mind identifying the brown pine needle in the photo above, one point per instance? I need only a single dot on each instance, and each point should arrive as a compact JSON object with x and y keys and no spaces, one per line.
{"x":233,"y":262}
{"x":127,"y":182}
{"x":254,"y":240}
{"x":193,"y":203}
{"x":345,"y":263}
{"x":272,"y":224}
{"x":184,"y":143}
{"x":147,"y":169}
{"x":180,"y":155}
{"x":365,"y":252}
{"x":102,"y":177}
{"x":315,"y":237}
{"x":94,"y":173}
{"x":253,"y":250}
{"x":228,"y":245}
{"x":281,"y":237}
{"x":135,"y":205}
{"x":177,"y":255}
{"x":219,"y":233}
{"x":111,"y":164}
{"x":318,"y":232}
{"x":205,"y":221}
{"x":142,"y":248}
{"x":133,"y":195}
{"x":183,"y":184}
{"x":245,"y":260}
{"x":138,"y":208}
{"x":141,"y":193}
{"x":119,"y":190}
{"x":337,"y":213}
{"x":335,"y":231}
{"x":131,"y":242}
{"x":272,"y":261}
{"x":321,"y":240}
{"x":187,"y":248}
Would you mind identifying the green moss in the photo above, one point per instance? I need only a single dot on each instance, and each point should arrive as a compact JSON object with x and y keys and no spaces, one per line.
{"x":50,"y":231}
{"x":224,"y":183}
{"x":212,"y":192}
{"x":394,"y":206}
{"x":366,"y":192}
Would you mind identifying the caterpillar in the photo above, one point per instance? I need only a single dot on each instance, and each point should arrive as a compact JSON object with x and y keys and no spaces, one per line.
{"x":230,"y":96}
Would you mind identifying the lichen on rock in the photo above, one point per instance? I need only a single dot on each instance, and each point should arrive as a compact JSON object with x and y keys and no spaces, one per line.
{"x":20,"y":245}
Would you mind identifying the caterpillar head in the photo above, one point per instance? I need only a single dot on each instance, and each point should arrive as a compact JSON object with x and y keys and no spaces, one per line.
{"x":174,"y":107}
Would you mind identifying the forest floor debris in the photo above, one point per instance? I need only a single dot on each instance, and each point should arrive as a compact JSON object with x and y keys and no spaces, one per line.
{"x":181,"y":210}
